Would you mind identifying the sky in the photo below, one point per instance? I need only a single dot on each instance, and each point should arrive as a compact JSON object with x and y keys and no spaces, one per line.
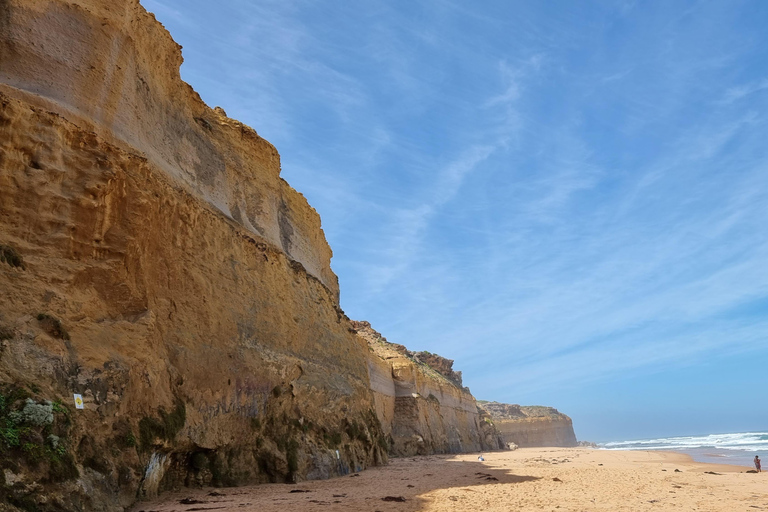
{"x":569,"y":199}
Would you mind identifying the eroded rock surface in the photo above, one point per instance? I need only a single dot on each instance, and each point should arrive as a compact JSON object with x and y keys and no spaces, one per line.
{"x":155,"y":263}
{"x":420,"y":409}
{"x":528,"y":426}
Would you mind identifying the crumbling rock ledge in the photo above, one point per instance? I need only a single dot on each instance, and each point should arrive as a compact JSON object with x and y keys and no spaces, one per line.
{"x":422,"y":410}
{"x":437,"y":363}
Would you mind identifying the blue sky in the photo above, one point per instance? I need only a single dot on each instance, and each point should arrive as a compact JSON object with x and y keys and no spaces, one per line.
{"x":568,"y":198}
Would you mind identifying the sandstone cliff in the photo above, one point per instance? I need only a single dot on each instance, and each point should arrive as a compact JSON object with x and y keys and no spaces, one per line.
{"x":155,"y":263}
{"x":531,"y":425}
{"x":420,"y":403}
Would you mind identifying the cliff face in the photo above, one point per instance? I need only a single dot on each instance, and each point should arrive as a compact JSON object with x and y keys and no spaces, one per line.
{"x":110,"y":68}
{"x":528,"y":426}
{"x":158,"y":266}
{"x":153,"y":261}
{"x":420,"y":408}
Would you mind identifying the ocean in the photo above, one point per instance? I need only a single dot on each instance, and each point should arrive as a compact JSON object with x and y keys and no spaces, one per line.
{"x":738,"y":449}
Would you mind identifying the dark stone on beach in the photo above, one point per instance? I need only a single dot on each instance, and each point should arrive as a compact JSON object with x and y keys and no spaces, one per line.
{"x":393,"y":498}
{"x":190,"y":501}
{"x":678,"y":471}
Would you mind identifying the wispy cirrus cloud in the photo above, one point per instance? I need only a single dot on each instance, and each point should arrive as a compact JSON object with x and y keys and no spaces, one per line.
{"x":742,"y":91}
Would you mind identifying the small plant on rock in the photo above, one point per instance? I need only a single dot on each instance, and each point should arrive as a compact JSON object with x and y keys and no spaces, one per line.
{"x":36,"y":414}
{"x":332,"y":439}
{"x":151,"y":429}
{"x":30,"y":434}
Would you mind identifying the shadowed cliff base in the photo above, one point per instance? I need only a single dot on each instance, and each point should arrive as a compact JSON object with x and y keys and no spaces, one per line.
{"x":400,"y":486}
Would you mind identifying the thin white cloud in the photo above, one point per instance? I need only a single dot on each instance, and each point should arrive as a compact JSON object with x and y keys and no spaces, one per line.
{"x":654,"y":353}
{"x":737,"y":93}
{"x":404,"y":246}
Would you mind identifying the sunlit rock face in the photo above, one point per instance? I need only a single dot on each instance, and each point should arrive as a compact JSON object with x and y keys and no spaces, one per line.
{"x":528,"y":426}
{"x":422,"y":408}
{"x":111,"y":69}
{"x":154,"y":262}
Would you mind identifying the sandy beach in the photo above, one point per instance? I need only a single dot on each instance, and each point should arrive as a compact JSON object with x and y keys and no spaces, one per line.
{"x":553,"y":479}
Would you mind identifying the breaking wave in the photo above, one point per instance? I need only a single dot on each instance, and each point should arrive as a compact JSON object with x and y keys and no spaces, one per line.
{"x":744,"y":441}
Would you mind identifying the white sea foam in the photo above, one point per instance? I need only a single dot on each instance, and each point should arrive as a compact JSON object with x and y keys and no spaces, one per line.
{"x":743,"y":441}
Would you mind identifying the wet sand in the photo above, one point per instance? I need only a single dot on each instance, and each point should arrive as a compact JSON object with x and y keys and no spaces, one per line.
{"x":531,"y":479}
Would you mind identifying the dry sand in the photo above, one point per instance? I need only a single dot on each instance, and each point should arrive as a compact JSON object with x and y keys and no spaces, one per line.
{"x":551,"y":479}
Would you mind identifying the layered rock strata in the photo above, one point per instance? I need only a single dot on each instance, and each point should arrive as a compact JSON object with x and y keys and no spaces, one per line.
{"x":421,"y":408}
{"x":155,"y":263}
{"x":527,"y":426}
{"x":111,"y":69}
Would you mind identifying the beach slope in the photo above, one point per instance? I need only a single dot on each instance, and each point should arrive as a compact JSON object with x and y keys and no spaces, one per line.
{"x":562,"y":479}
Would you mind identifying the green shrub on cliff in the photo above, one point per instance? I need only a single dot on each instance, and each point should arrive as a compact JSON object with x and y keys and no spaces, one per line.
{"x":356,"y":431}
{"x":36,"y":414}
{"x":11,"y":431}
{"x":332,"y":439}
{"x":170,"y":423}
{"x":129,"y":440}
{"x":31,"y":435}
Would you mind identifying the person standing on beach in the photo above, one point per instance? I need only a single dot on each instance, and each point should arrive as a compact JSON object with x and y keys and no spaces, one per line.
{"x":757,"y":463}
